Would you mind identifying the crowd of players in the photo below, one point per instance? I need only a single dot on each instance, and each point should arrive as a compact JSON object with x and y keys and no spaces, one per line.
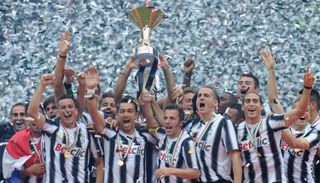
{"x":188,"y":136}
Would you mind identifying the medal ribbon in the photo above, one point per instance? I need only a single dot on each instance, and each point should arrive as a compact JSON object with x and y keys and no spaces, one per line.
{"x":199,"y":136}
{"x":171,"y":163}
{"x":68,"y":139}
{"x":253,"y":135}
{"x":119,"y":146}
{"x":34,"y":147}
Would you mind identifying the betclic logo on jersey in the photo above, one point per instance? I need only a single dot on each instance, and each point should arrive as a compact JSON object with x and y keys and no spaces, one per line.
{"x":134,"y":150}
{"x":76,"y":152}
{"x":260,"y":141}
{"x":203,"y":145}
{"x":163,"y":156}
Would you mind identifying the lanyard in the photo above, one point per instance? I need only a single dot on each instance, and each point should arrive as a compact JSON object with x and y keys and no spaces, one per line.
{"x":69,"y":147}
{"x":34,"y":147}
{"x":171,"y":160}
{"x":119,"y":146}
{"x":253,"y":136}
{"x":200,"y":135}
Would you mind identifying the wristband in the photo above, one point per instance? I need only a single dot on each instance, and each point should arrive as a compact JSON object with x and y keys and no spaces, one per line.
{"x":63,"y":57}
{"x":90,"y":93}
{"x":307,"y":87}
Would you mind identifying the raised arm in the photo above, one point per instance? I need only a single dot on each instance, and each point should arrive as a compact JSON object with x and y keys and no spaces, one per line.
{"x":145,"y":99}
{"x":295,"y":113}
{"x":294,"y":142}
{"x":273,"y":93}
{"x":59,"y":88}
{"x":33,"y":109}
{"x":158,"y":113}
{"x":123,"y":78}
{"x":170,"y":81}
{"x":92,"y":81}
{"x":188,"y":67}
{"x":81,"y":92}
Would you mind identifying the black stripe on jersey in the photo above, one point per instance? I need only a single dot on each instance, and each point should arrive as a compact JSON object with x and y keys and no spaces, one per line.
{"x":263,"y":165}
{"x":111,"y":158}
{"x":247,"y":157}
{"x":123,"y":172}
{"x":214,"y":154}
{"x":62,"y":161}
{"x":274,"y":150}
{"x":290,"y":168}
{"x":148,"y":153}
{"x":228,"y":140}
{"x":185,"y":150}
{"x":52,"y":155}
{"x":75,"y":160}
{"x":137,"y":164}
{"x":87,"y":159}
{"x":304,"y":170}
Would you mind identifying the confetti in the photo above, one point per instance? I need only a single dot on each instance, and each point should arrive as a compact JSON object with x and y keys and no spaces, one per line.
{"x":223,"y":37}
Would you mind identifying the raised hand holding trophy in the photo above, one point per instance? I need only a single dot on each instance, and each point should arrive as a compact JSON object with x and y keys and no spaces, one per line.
{"x":146,"y":57}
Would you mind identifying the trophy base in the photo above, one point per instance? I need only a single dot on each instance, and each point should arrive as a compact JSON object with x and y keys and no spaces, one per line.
{"x":145,"y":55}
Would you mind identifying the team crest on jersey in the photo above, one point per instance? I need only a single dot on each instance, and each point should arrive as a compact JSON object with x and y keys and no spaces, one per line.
{"x":75,"y":151}
{"x":134,"y":150}
{"x":260,"y":141}
{"x":203,"y":145}
{"x":168,"y":158}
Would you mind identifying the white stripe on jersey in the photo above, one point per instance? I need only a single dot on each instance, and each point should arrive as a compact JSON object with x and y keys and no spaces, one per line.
{"x":212,"y":148}
{"x":76,"y":167}
{"x":298,"y":162}
{"x":267,"y":164}
{"x":138,"y":164}
{"x":185,"y":156}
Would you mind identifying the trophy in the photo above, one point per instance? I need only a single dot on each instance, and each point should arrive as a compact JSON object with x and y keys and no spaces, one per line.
{"x":146,"y":57}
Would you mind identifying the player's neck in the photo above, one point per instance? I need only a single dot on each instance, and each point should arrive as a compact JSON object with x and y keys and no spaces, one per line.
{"x":253,"y":121}
{"x":175,"y":135}
{"x":299,"y":127}
{"x":128,"y":131}
{"x":69,"y":126}
{"x":206,"y":117}
{"x":35,"y":133}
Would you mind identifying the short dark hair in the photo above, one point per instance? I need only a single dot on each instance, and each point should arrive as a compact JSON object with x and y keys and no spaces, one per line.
{"x":314,"y":97}
{"x":251,"y":75}
{"x":240,"y":114}
{"x":172,"y":106}
{"x":233,"y":98}
{"x":215,"y":93}
{"x":108,"y":94}
{"x":65,"y":96}
{"x":188,"y":90}
{"x":47,"y":101}
{"x":260,"y":99}
{"x":18,"y":104}
{"x":128,"y":99}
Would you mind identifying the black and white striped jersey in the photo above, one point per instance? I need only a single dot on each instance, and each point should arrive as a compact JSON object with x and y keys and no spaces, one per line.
{"x":213,"y":140}
{"x":67,"y":152}
{"x":128,"y":158}
{"x":299,"y":163}
{"x":263,"y":161}
{"x":175,"y":152}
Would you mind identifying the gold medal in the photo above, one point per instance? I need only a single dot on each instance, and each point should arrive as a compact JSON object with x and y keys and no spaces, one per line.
{"x":120,"y":163}
{"x":191,"y":151}
{"x":67,"y":154}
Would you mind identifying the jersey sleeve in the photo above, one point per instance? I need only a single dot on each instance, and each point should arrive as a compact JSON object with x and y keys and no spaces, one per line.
{"x":107,"y":132}
{"x":229,"y":136}
{"x":313,"y":137}
{"x":276,"y":121}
